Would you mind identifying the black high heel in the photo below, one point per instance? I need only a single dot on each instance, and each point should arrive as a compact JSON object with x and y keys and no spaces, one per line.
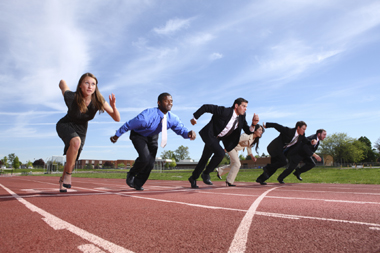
{"x":67,"y":185}
{"x":60,"y":185}
{"x":230,"y":185}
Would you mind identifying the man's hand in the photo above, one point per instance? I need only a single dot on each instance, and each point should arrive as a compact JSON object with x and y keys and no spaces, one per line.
{"x":192,"y":135}
{"x":193,"y":122}
{"x":317,"y":157}
{"x":255,"y":119}
{"x":114,"y":139}
{"x":265,"y":126}
{"x":314,"y":142}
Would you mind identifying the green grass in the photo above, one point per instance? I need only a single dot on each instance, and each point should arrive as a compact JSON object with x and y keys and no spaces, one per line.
{"x":316,"y":175}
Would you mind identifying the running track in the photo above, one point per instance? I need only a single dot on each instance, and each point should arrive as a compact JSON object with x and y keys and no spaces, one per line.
{"x":105,"y":215}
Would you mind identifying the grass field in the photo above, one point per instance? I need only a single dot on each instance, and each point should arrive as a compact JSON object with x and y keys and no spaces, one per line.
{"x":316,"y":175}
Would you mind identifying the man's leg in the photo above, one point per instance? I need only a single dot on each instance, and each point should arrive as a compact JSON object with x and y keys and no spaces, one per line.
{"x":293,"y":162}
{"x":309,"y":164}
{"x":150,"y":157}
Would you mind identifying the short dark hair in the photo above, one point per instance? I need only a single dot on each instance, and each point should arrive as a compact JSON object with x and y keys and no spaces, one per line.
{"x":162,"y":96}
{"x":300,"y":124}
{"x":238,"y":101}
{"x":319,"y":131}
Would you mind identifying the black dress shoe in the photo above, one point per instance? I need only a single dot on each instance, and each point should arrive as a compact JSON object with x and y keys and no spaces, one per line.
{"x":261,"y":182}
{"x":130,"y":180}
{"x":230,"y":185}
{"x":297,"y":176}
{"x":281,"y":181}
{"x":218,"y":175}
{"x":193,"y":182}
{"x":139,"y":188}
{"x":206,"y":179}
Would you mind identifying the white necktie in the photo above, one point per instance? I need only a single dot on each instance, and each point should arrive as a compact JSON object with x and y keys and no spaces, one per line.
{"x":164,"y":136}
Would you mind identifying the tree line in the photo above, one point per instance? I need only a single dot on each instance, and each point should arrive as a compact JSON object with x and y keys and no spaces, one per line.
{"x":345,"y":149}
{"x":13,"y":161}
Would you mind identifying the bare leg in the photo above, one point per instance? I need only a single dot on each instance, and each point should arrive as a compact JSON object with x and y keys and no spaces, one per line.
{"x":71,"y":156}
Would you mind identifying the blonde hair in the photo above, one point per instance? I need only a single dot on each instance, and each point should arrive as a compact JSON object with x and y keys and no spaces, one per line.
{"x":96,"y":98}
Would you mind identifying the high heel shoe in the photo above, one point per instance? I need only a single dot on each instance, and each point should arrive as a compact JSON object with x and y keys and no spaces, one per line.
{"x":68,"y":180}
{"x":230,"y":185}
{"x":60,"y":185}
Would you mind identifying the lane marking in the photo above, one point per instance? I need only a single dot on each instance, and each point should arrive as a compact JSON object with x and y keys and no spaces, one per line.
{"x":239,"y":242}
{"x":58,"y":224}
{"x":278,"y":215}
{"x":89,"y":248}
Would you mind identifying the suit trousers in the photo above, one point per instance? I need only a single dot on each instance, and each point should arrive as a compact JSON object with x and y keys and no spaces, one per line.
{"x":233,"y":168}
{"x":293,"y":163}
{"x":210,"y":148}
{"x":277,"y":161}
{"x":146,"y":147}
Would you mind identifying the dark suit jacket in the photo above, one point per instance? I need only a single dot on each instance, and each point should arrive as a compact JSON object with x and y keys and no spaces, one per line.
{"x":220,"y":118}
{"x":276,"y":147}
{"x":308,"y":149}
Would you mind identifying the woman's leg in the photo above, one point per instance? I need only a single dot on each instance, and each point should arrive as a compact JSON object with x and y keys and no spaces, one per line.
{"x":71,"y":156}
{"x":235,"y":166}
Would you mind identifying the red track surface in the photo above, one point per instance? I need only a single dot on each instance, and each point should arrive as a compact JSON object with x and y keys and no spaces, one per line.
{"x":105,"y":215}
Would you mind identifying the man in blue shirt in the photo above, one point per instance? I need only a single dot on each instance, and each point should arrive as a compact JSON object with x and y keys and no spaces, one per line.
{"x":145,"y":128}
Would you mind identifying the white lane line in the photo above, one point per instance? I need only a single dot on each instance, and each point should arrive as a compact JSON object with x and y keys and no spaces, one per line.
{"x":57,"y":224}
{"x":296,"y":198}
{"x":89,"y":248}
{"x":239,"y":242}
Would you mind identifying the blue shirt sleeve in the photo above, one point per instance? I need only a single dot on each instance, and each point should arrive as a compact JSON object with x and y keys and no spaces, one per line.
{"x":177,"y":126}
{"x":138,"y":122}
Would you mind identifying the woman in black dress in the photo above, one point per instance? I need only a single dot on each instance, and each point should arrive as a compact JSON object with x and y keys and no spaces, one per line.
{"x":82,"y":106}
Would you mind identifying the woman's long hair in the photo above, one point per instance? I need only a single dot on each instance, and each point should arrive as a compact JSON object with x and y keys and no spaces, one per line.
{"x":96,"y":98}
{"x":256,"y":140}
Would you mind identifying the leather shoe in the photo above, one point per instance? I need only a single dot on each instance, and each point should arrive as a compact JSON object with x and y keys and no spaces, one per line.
{"x":139,"y":188}
{"x":281,"y":181}
{"x":193,"y":182}
{"x":297,"y":176}
{"x":130,"y":180}
{"x":261,"y":182}
{"x":206,"y":178}
{"x":229,"y":184}
{"x":218,"y":175}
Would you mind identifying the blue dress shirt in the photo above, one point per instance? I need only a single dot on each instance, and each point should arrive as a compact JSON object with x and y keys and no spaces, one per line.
{"x":148,"y":123}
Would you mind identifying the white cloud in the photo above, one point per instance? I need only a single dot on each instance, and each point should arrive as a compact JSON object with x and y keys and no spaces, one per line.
{"x":215,"y":56}
{"x":173,"y":26}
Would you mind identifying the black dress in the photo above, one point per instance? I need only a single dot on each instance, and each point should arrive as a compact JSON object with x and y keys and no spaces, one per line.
{"x":74,"y":124}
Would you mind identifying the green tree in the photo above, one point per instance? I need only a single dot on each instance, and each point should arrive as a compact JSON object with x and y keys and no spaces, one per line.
{"x":342,"y":148}
{"x":121,"y":165}
{"x":89,"y":167}
{"x":29,"y":164}
{"x":5,"y":161}
{"x":168,"y":155}
{"x":242,"y":158}
{"x":248,"y":157}
{"x":11,"y":157}
{"x":368,"y":152}
{"x":16,"y":163}
{"x":173,"y":164}
{"x":377,"y":145}
{"x":182,"y":153}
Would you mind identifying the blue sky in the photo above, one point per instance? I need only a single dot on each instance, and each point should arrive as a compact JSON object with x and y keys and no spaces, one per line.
{"x":316,"y":61}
